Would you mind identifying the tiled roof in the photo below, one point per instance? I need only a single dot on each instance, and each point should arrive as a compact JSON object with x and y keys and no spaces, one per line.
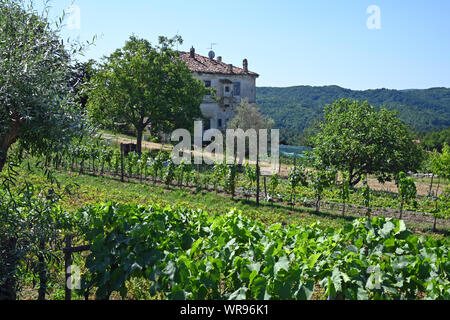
{"x":201,"y":64}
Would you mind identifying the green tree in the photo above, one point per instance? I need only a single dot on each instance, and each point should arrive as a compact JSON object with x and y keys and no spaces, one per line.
{"x":144,"y":85}
{"x":38,"y":107}
{"x":356,"y":138}
{"x":248,"y":116}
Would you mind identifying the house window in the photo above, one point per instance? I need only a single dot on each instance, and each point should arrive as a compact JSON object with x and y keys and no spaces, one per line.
{"x":207,"y":85}
{"x":219,"y":123}
{"x":227,"y":89}
{"x":237,"y":89}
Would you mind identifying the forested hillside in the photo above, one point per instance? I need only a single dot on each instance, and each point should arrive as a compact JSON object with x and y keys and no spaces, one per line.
{"x":295,"y":108}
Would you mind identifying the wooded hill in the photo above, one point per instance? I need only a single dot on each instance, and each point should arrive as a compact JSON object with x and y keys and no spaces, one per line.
{"x":295,"y":108}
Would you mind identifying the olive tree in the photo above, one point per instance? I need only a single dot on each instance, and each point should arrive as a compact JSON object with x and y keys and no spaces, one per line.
{"x":37,"y":105}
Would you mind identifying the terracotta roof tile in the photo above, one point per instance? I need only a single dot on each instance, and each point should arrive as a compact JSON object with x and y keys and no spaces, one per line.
{"x":201,"y":64}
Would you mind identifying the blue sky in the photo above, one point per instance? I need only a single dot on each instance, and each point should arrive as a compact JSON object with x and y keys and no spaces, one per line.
{"x":314,"y":42}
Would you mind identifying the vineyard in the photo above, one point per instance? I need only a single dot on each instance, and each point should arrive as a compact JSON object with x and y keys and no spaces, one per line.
{"x":171,"y":252}
{"x":303,"y":187}
{"x":188,"y":254}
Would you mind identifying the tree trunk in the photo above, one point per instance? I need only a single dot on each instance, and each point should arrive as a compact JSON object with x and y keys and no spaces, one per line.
{"x":343,"y":210}
{"x":8,"y":285}
{"x":2,"y":159}
{"x":140,"y":133}
{"x":7,"y":140}
{"x":42,"y":273}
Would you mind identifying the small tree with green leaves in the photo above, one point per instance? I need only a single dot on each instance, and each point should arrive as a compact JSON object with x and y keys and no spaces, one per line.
{"x":321,"y":180}
{"x":297,"y":177}
{"x":218,"y":175}
{"x":230,"y":180}
{"x":169,"y":174}
{"x":251,"y":175}
{"x":406,"y":189}
{"x":274,"y":182}
{"x":440,"y":166}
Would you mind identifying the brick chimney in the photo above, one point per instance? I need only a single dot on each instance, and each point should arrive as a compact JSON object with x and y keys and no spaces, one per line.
{"x":245,"y":65}
{"x":192,"y":53}
{"x":219,"y":59}
{"x":230,"y":68}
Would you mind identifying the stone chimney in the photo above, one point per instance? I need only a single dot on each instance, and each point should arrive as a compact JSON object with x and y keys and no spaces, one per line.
{"x":245,"y":64}
{"x":219,"y":59}
{"x":192,"y":53}
{"x":230,"y":68}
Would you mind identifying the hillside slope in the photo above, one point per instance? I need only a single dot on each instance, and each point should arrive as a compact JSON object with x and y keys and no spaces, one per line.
{"x":295,"y":108}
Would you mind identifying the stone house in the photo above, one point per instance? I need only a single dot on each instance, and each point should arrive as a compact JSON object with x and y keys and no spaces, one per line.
{"x":231,"y":84}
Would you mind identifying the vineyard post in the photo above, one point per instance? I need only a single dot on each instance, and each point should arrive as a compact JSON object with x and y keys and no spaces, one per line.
{"x":265,"y":188}
{"x":68,"y":251}
{"x":257,"y":180}
{"x":67,"y":264}
{"x":121,"y":162}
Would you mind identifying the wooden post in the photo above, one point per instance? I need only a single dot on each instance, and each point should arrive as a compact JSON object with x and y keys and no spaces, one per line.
{"x":67,"y":265}
{"x":121,"y":163}
{"x":265,"y":188}
{"x":257,"y":180}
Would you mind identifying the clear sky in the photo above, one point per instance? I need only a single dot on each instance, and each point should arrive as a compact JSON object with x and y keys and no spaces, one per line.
{"x":288,"y":42}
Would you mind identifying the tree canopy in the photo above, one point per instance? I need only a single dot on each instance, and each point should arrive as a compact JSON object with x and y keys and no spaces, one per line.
{"x":356,"y":138}
{"x":144,"y":85}
{"x":37,"y":107}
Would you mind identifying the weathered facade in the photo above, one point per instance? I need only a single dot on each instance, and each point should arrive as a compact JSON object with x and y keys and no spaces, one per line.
{"x":231,"y":84}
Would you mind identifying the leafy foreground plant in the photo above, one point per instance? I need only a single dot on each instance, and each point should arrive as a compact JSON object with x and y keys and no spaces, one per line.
{"x":188,"y":254}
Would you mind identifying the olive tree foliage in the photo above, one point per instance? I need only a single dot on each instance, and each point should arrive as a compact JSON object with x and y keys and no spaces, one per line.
{"x":248,"y":116}
{"x":146,"y":85}
{"x":36,"y":100}
{"x":356,"y":138}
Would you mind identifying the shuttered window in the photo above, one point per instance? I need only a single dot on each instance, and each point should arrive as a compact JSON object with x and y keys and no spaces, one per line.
{"x":237,"y":89}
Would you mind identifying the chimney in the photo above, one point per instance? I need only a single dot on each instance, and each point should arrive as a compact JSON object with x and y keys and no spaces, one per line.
{"x":219,"y":59}
{"x":245,"y":64}
{"x":192,"y":53}
{"x":230,"y":68}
